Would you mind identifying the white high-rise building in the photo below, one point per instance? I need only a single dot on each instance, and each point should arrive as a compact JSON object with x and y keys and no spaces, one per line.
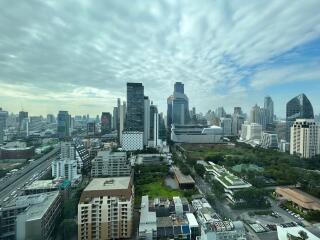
{"x":237,"y":121}
{"x":156,"y":139}
{"x":122,"y":115}
{"x":110,"y":164}
{"x":226,"y":125}
{"x":67,"y":165}
{"x":259,"y":115}
{"x":305,"y":138}
{"x":146,"y":130}
{"x":251,"y":131}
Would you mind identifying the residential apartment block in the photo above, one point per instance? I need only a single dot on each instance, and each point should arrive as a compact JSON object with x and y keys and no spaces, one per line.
{"x":110,"y":164}
{"x":105,"y":210}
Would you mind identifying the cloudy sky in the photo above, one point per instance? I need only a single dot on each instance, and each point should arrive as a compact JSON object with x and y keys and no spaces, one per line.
{"x":78,"y":55}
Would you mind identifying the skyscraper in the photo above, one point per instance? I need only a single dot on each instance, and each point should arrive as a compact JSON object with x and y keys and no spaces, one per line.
{"x":153,"y":121}
{"x":114,"y":118}
{"x":146,"y":132}
{"x":268,"y":105}
{"x":3,"y":121}
{"x":23,"y":118}
{"x":178,"y":106}
{"x":237,"y":110}
{"x":105,"y":123}
{"x":220,"y":112}
{"x":179,"y":87}
{"x":259,"y":115}
{"x":122,"y":118}
{"x":298,"y":107}
{"x":63,"y":124}
{"x":135,"y":107}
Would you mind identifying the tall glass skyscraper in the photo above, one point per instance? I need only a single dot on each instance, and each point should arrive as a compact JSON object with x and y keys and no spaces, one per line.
{"x":63,"y":128}
{"x":3,"y":120}
{"x":178,"y":106}
{"x":135,"y":107}
{"x":268,"y":106}
{"x":298,"y":107}
{"x":106,"y":122}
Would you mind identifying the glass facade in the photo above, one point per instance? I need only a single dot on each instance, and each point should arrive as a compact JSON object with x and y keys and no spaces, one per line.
{"x":135,"y":107}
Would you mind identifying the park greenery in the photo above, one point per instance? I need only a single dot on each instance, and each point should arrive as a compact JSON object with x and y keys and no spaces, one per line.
{"x":150,"y":180}
{"x":311,"y":215}
{"x":275,"y":168}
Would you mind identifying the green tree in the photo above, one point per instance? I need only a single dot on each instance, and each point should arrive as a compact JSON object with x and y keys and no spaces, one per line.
{"x":200,"y":170}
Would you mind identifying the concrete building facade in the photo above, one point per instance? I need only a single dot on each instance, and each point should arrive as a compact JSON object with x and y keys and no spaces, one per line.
{"x":105,"y":210}
{"x":305,"y":138}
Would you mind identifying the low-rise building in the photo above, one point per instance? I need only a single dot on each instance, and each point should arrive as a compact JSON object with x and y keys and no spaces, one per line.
{"x":110,"y":164}
{"x":152,"y":158}
{"x":30,"y":217}
{"x":148,"y":221}
{"x":212,"y":225}
{"x":231,"y":230}
{"x":294,"y":232}
{"x":284,"y":146}
{"x":196,"y":134}
{"x":41,"y":186}
{"x":167,"y":219}
{"x":269,"y":141}
{"x":184,"y":181}
{"x":105,"y":210}
{"x":16,"y":150}
{"x":302,"y":200}
{"x":229,"y":181}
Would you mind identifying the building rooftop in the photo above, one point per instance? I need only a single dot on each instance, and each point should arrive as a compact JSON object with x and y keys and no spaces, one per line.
{"x":111,"y":153}
{"x":36,"y":204}
{"x":108,"y":183}
{"x":299,"y":197}
{"x":37,"y":211}
{"x":113,"y":186}
{"x":182,"y":179}
{"x":284,"y":232}
{"x":225,"y":177}
{"x":43,"y":184}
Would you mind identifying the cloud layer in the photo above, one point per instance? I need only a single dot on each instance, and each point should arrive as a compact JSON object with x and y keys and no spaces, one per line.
{"x":78,"y":55}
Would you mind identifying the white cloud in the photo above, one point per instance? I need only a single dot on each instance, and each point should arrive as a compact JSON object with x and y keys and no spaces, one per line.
{"x":94,"y":48}
{"x":286,"y":74}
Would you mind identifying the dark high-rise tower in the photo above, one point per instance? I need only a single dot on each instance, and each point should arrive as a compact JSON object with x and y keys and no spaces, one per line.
{"x":63,"y":121}
{"x":179,"y":87}
{"x":135,"y":107}
{"x":178,"y":106}
{"x":153,"y":111}
{"x":298,"y":107}
{"x":106,"y":122}
{"x":268,"y":106}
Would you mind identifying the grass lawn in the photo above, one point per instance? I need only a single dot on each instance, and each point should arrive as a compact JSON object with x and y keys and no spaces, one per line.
{"x":158,"y":189}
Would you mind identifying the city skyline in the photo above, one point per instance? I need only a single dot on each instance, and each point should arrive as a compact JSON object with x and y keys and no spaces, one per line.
{"x":78,"y":57}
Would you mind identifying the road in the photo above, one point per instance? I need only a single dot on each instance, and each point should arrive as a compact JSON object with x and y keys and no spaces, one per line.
{"x":16,"y":182}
